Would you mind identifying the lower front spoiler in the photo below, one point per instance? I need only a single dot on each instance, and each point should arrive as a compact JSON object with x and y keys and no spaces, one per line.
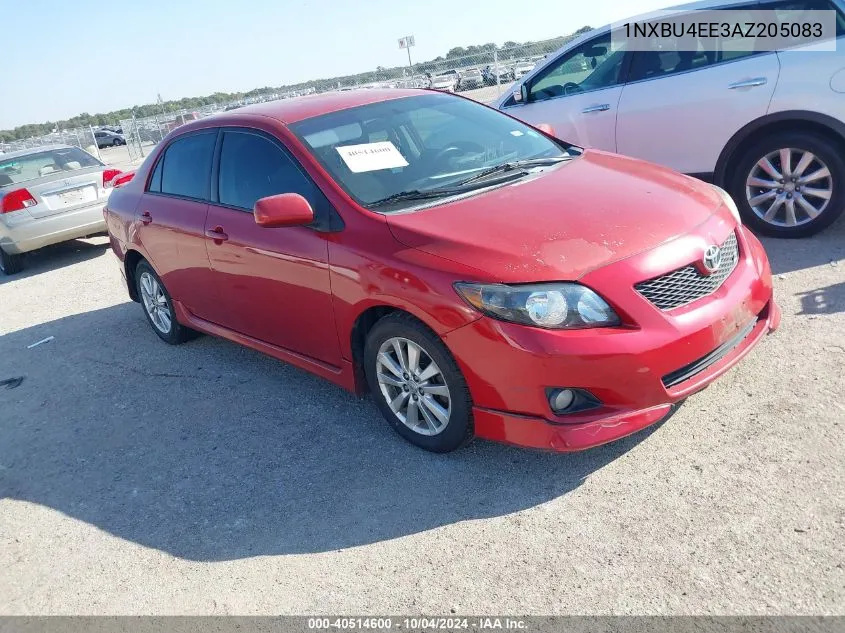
{"x":536,"y":432}
{"x":532,"y":432}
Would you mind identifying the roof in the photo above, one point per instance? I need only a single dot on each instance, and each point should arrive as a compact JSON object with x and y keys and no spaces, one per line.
{"x":300,"y":108}
{"x":33,"y":150}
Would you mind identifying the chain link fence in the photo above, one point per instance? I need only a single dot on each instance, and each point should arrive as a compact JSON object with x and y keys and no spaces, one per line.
{"x":79,"y":137}
{"x":482,"y":73}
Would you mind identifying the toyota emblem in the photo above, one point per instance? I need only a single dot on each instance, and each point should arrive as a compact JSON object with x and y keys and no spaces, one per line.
{"x":712,"y":259}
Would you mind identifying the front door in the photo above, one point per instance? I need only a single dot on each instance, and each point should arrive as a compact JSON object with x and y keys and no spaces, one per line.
{"x":578,"y":94}
{"x":273,"y":282}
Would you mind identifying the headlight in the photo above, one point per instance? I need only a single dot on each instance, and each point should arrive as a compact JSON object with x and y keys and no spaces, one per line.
{"x":728,"y":202}
{"x":554,"y":306}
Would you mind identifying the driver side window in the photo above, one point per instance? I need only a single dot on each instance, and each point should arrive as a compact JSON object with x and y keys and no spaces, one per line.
{"x":591,"y":66}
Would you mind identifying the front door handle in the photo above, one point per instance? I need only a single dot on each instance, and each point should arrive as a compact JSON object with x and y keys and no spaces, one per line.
{"x":146,"y":218}
{"x":602,"y":107}
{"x":749,"y":83}
{"x":217,"y":234}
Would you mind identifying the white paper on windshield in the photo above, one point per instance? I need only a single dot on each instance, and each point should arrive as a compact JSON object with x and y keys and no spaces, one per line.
{"x":371,"y":156}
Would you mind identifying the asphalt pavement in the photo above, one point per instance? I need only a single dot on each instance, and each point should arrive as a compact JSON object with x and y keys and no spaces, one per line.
{"x":138,"y":478}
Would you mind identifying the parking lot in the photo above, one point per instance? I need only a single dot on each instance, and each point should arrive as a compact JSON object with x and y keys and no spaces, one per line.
{"x":141,"y":478}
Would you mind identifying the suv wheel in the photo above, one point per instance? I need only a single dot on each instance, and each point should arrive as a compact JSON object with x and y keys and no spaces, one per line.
{"x":9,"y":263}
{"x":417,"y":384}
{"x":790,"y":185}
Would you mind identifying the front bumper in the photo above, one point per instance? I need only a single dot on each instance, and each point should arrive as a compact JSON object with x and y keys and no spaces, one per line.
{"x":629,"y":369}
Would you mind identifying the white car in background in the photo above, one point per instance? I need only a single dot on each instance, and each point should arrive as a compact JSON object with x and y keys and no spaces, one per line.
{"x":446,"y":82}
{"x":769,"y":127}
{"x":48,"y":195}
{"x":522,"y":68}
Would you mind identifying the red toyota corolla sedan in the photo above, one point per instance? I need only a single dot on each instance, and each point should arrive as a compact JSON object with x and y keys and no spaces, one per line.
{"x":478,"y":276}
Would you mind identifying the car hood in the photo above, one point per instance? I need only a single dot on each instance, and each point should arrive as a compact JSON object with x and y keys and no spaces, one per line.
{"x":562,"y":223}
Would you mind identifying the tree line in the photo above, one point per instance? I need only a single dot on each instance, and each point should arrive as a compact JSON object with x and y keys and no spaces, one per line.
{"x":459,"y":55}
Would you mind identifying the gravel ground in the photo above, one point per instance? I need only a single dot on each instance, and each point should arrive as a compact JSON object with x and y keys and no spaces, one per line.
{"x":138,"y":478}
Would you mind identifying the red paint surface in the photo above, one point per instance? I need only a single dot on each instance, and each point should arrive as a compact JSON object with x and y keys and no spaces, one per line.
{"x":607,"y":221}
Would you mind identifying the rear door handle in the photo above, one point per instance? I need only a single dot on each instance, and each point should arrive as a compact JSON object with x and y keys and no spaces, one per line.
{"x":603,"y":107}
{"x":217,"y":234}
{"x":749,"y":83}
{"x":146,"y":217}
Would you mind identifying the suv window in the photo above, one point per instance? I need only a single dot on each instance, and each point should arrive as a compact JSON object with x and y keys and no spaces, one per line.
{"x":252,"y":167}
{"x":664,"y":59}
{"x":591,"y":66}
{"x":185,"y":167}
{"x":780,"y":6}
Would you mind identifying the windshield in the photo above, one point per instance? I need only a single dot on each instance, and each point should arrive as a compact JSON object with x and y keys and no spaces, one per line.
{"x":41,"y":164}
{"x":418,"y":144}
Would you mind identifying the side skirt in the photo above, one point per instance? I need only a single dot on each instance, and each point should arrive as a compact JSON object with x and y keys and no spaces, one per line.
{"x":343,"y":376}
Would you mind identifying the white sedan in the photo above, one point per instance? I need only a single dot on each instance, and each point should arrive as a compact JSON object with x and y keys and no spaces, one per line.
{"x":48,"y":195}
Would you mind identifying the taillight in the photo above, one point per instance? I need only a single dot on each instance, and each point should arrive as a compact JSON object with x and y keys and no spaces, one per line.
{"x":123,"y":179}
{"x":17,"y":200}
{"x":109,"y":175}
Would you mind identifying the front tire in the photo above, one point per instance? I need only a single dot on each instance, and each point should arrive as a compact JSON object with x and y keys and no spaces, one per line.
{"x":9,"y":263}
{"x":790,"y":185}
{"x":158,"y":306}
{"x":417,"y":384}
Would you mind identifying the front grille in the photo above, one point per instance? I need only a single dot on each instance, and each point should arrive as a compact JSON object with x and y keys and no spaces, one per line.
{"x":688,"y":284}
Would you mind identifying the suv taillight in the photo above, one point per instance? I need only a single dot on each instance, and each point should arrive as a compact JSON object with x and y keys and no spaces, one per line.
{"x":16,"y":200}
{"x":109,"y":175}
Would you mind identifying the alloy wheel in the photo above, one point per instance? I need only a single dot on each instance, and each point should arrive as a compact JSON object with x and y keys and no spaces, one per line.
{"x":155,"y":303}
{"x":789,"y":187}
{"x":413,"y":386}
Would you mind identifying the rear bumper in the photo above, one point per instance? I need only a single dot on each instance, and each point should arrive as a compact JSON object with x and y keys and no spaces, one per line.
{"x":21,"y":233}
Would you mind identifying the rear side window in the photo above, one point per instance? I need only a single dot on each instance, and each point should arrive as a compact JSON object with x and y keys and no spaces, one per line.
{"x":252,"y":167}
{"x":155,"y":181}
{"x":185,"y":168}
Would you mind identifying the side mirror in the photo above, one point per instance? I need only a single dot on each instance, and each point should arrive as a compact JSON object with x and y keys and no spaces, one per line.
{"x":285,"y":209}
{"x":546,"y":128}
{"x":521,"y":95}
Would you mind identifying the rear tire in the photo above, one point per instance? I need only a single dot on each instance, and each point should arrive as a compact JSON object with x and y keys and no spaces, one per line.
{"x":158,"y":306}
{"x":425,"y":386}
{"x":9,"y":263}
{"x":819,"y":154}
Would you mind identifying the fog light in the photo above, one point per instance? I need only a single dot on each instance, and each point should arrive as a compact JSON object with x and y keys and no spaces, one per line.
{"x":564,"y":400}
{"x":561,"y":399}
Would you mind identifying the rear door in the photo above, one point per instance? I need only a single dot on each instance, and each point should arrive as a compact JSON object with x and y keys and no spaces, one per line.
{"x":273,"y":282}
{"x":680,"y":108}
{"x":170,"y":221}
{"x":578,"y":94}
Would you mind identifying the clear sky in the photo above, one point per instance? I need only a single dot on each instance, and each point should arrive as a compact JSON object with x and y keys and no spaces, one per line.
{"x":64,"y":57}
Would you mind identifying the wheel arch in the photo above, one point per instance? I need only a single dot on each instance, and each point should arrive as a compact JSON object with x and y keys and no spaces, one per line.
{"x":361,"y":327}
{"x":130,"y":262}
{"x":786,"y":121}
